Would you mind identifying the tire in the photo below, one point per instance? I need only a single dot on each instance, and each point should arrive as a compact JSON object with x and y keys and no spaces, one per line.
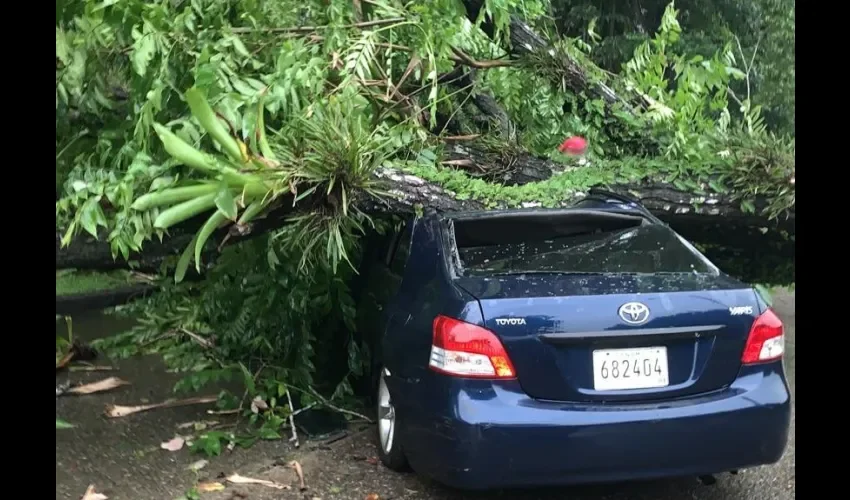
{"x":386,"y":431}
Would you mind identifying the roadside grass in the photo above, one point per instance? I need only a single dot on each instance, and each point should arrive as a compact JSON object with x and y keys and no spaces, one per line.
{"x":72,"y":282}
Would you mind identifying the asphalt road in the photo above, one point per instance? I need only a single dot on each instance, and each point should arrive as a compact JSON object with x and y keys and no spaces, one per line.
{"x":121,"y":457}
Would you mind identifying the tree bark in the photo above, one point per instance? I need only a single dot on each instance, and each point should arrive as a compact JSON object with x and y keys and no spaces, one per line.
{"x":506,"y":166}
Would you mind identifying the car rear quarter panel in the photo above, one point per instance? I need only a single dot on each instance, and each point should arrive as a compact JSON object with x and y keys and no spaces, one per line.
{"x":425,"y":292}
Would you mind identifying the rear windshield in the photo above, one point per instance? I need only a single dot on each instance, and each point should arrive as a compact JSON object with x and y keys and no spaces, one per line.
{"x":619,"y":244}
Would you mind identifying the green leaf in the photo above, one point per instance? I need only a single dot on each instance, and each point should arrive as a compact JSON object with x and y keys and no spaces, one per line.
{"x":271,"y":258}
{"x":203,"y":112}
{"x":105,"y":4}
{"x":209,"y":443}
{"x":63,"y":48}
{"x":267,"y":433}
{"x":248,"y":379}
{"x":239,"y":46}
{"x":226,"y":203}
{"x":144,"y":48}
{"x":185,"y":258}
{"x":91,"y":215}
{"x":246,"y":441}
{"x":61,"y":424}
{"x":736,"y":73}
{"x":204,"y":234}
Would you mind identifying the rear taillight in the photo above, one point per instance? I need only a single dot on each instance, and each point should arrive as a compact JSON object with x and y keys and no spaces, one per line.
{"x":466,"y":350}
{"x":766,"y":341}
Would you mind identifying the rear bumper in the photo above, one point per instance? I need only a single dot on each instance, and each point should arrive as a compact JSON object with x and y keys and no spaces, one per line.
{"x":491,"y":435}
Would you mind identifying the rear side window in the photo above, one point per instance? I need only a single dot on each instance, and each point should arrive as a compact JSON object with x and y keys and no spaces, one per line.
{"x":581,"y":242}
{"x":402,"y":250}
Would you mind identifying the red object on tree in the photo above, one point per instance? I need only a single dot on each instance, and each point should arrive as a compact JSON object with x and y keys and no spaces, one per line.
{"x":573,"y":146}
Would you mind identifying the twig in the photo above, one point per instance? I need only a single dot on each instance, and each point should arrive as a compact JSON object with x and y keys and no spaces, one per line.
{"x":748,"y":67}
{"x":143,"y":276}
{"x":91,"y":368}
{"x":302,"y":410}
{"x":292,"y":419}
{"x":307,"y":29}
{"x":348,"y":412}
{"x":395,"y":46}
{"x":320,"y":38}
{"x":463,"y":58}
{"x":205,"y":343}
{"x":157,"y":338}
{"x":72,"y":141}
{"x":469,"y":137}
{"x":325,"y":402}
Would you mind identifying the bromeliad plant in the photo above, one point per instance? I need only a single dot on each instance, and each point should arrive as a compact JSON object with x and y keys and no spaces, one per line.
{"x":324,"y":156}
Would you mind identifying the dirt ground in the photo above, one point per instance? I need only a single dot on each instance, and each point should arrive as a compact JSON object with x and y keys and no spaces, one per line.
{"x":121,"y":457}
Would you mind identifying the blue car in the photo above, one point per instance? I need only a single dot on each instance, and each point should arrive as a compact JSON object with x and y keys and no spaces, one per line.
{"x":580,"y":345}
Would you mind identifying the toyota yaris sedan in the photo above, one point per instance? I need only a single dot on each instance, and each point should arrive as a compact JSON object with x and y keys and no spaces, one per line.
{"x":550,"y":347}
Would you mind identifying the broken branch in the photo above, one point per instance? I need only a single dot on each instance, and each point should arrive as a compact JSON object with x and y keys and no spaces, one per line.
{"x":464,"y":58}
{"x":292,"y":419}
{"x":308,"y":29}
{"x":116,"y":411}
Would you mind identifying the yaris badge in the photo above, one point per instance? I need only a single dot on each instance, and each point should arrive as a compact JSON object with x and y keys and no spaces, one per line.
{"x":634,"y":313}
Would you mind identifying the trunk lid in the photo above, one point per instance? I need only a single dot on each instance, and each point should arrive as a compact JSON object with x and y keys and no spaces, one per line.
{"x":601,"y":306}
{"x":553,"y":327}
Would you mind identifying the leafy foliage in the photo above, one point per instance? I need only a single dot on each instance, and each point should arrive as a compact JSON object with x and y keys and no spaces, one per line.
{"x":765,"y":30}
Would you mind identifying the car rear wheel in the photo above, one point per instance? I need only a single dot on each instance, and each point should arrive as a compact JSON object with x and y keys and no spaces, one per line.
{"x":389,"y":447}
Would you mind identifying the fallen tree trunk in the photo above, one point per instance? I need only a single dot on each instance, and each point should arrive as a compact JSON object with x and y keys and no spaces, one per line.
{"x":407,"y":194}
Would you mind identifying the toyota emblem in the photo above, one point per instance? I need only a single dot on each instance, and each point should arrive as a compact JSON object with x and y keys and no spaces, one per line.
{"x":634,"y":313}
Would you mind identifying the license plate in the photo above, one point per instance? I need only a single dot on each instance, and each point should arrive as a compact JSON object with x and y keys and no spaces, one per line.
{"x":623,"y":369}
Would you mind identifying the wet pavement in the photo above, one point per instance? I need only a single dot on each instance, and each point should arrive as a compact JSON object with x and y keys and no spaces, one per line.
{"x":122,"y":456}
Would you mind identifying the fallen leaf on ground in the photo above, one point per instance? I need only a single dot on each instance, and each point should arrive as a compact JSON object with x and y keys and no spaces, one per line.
{"x":173,"y":445}
{"x":300,"y":473}
{"x":372,"y":460}
{"x":373,"y":496}
{"x":237,"y":479}
{"x":223,"y":412}
{"x":116,"y":411}
{"x":100,"y":386}
{"x":90,"y":494}
{"x":198,"y":426}
{"x":209,"y":487}
{"x":258,"y":404}
{"x":196,"y":466}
